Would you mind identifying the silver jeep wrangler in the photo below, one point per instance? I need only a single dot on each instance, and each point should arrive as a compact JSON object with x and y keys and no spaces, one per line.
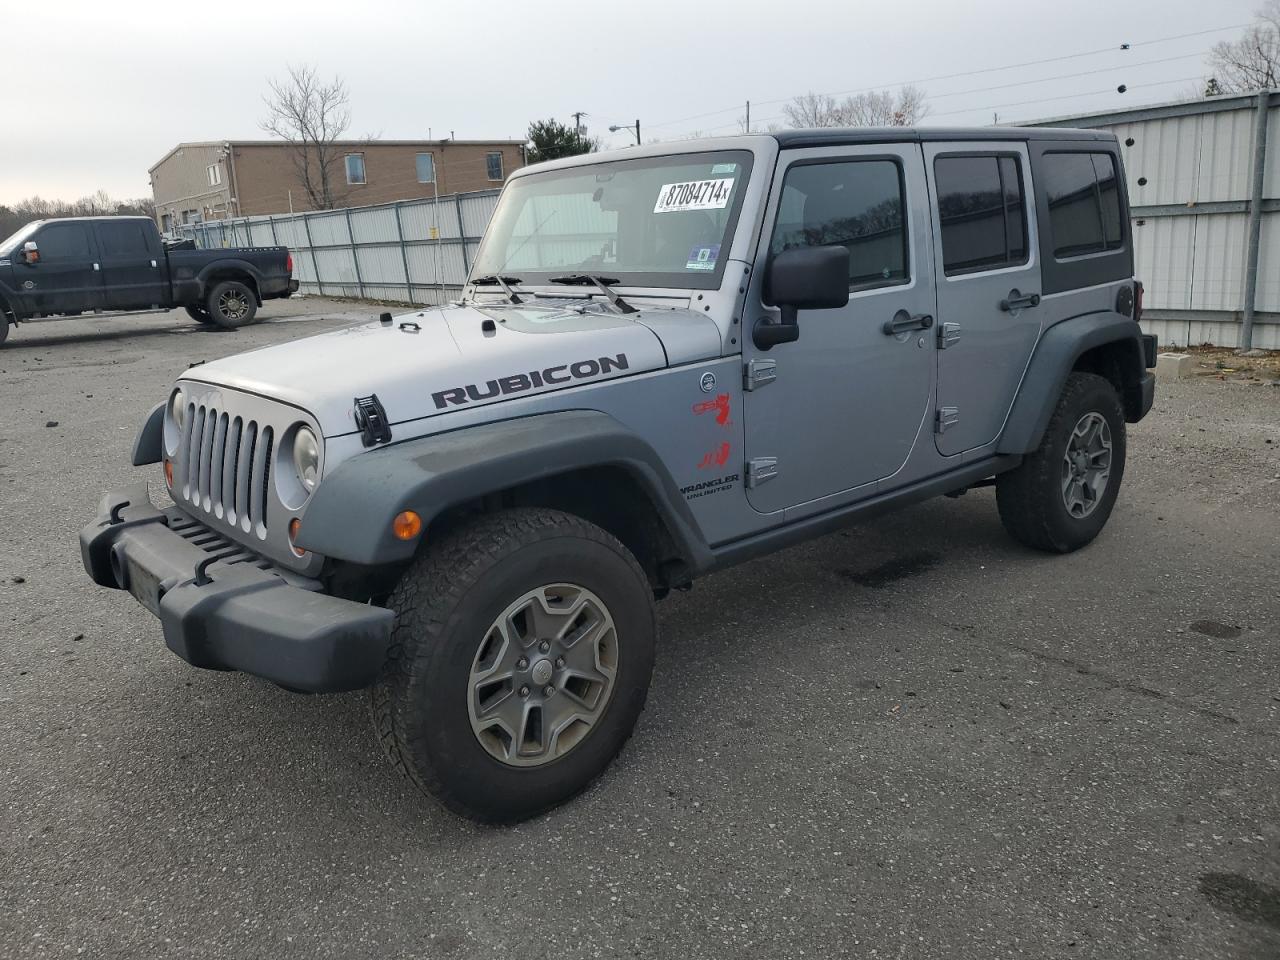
{"x":666,"y":360}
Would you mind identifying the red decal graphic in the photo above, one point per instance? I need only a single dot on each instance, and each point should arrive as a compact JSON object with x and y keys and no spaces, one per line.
{"x":720,"y":405}
{"x":716,"y":458}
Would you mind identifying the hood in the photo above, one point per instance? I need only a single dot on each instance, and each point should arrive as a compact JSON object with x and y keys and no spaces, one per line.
{"x":431,"y":362}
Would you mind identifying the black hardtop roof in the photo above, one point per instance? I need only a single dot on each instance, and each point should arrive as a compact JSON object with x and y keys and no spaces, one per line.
{"x":90,"y":219}
{"x":840,"y":136}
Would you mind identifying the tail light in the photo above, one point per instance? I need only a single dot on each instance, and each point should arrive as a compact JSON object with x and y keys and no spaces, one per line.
{"x":288,"y":263}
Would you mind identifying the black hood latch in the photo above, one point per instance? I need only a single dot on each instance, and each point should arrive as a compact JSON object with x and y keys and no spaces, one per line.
{"x":371,"y":421}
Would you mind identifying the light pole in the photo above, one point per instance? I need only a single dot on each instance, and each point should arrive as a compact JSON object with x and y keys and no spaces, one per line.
{"x":635,"y":130}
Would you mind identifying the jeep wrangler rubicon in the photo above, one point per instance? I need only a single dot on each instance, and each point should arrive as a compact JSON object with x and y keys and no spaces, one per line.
{"x":666,"y":360}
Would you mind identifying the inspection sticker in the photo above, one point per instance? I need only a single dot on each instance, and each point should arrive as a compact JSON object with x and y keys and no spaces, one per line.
{"x":703,"y":258}
{"x":694,"y":195}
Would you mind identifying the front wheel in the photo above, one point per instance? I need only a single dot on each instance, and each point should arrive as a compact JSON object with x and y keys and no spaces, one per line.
{"x":231,"y":304}
{"x":198,"y":313}
{"x":1061,"y":495}
{"x":4,"y":328}
{"x":519,"y":663}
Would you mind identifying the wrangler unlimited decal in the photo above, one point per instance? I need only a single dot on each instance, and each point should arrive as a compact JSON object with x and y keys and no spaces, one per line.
{"x":533,"y":380}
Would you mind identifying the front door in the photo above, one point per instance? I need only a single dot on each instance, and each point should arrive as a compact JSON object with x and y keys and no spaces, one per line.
{"x":988,"y":282}
{"x":132,"y":270}
{"x":66,"y":279}
{"x":847,"y":400}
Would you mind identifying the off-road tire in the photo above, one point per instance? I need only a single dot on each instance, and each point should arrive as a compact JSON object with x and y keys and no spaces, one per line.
{"x":445,"y":603}
{"x":198,"y":312}
{"x":1030,"y":497}
{"x":236,"y":291}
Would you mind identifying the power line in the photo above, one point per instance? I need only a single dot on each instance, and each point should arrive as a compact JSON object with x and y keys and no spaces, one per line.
{"x":966,"y":73}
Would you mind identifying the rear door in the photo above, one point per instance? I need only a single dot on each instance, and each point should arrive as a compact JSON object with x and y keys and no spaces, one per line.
{"x":132,"y":264}
{"x":66,"y":279}
{"x":988,"y":279}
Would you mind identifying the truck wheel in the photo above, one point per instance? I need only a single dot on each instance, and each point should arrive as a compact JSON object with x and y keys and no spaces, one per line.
{"x":519,"y":663}
{"x":1061,"y":495}
{"x":4,"y":329}
{"x":198,"y":313}
{"x":232,"y":304}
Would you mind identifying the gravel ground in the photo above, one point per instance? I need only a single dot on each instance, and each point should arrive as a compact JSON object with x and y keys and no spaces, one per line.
{"x":909,"y":739}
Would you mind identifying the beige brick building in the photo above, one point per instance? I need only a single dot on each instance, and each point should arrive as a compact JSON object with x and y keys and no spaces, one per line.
{"x":218,"y":179}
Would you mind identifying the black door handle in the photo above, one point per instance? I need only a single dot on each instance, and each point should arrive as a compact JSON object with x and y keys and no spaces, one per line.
{"x":1018,"y":300}
{"x":904,"y":322}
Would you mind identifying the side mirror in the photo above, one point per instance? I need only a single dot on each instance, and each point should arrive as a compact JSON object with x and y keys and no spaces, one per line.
{"x":30,"y":252}
{"x":806,"y":278}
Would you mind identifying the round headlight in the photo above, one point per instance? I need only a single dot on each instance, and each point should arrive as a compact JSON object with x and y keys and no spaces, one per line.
{"x":306,"y":458}
{"x":178,"y":408}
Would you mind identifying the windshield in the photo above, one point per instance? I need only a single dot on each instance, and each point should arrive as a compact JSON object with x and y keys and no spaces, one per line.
{"x":16,"y":238}
{"x":653,"y":222}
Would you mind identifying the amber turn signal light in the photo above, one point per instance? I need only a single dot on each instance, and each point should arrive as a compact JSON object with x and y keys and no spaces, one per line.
{"x":294,"y":525}
{"x":168,"y":473}
{"x":406,"y":525}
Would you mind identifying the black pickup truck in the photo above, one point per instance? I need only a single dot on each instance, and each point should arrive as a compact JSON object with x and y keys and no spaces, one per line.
{"x":66,"y":267}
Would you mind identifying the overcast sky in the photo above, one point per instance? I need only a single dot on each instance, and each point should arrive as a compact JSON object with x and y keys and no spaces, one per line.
{"x":98,"y":91}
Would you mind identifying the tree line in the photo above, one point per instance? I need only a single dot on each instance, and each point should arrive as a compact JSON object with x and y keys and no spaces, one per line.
{"x":100,"y":204}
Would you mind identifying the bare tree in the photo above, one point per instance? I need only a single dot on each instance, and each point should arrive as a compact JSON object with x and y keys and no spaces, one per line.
{"x":311,"y":115}
{"x":877,"y":108}
{"x":1251,"y":62}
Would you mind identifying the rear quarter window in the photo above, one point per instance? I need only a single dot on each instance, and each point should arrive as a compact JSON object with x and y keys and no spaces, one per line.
{"x":1083,"y":194}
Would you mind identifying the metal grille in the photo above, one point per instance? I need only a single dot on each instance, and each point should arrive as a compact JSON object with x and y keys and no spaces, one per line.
{"x":224,"y":467}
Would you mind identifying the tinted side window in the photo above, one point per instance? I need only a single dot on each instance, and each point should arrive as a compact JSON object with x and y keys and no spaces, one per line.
{"x":1084,"y":203}
{"x":981,"y":212}
{"x":858,"y":204}
{"x":63,"y":241}
{"x":125,"y":239}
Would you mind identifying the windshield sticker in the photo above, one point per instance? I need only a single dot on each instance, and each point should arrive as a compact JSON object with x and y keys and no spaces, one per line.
{"x":723,"y":168}
{"x":703,"y":258}
{"x":694,"y":195}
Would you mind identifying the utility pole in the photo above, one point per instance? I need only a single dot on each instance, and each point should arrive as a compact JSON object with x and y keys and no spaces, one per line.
{"x":748,"y":130}
{"x":577,"y":127}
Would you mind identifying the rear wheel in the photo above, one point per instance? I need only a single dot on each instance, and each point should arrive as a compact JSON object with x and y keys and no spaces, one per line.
{"x":4,"y":328}
{"x":1060,"y":497}
{"x":519,"y":663}
{"x":232,"y":304}
{"x":198,"y":313}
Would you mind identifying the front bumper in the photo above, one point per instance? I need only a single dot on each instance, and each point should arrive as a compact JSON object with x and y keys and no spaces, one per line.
{"x":224,"y":608}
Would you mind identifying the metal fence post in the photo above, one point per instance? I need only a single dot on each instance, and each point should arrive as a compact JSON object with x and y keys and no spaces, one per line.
{"x":275,"y":241}
{"x":315,"y":264}
{"x":462,"y":233}
{"x":1255,"y":220}
{"x":404,"y":253}
{"x":355,"y":256}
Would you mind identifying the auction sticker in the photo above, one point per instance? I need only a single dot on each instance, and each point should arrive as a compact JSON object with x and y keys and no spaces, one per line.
{"x":694,"y":195}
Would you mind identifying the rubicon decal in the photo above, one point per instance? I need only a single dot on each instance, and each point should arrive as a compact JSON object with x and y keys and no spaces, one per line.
{"x":533,"y":380}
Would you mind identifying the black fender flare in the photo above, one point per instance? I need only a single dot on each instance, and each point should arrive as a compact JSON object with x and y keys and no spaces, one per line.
{"x":1055,"y":355}
{"x":230,"y":265}
{"x":148,"y":446}
{"x":349,"y":516}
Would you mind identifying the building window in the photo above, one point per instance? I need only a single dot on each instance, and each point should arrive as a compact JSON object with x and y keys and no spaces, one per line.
{"x":857,"y":204}
{"x":355,"y":168}
{"x":426,"y":168}
{"x":214,"y":171}
{"x":494,"y":162}
{"x":1084,"y":203}
{"x":981,"y":211}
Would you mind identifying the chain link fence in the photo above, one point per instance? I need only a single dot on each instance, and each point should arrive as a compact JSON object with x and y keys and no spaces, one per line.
{"x":411,"y":251}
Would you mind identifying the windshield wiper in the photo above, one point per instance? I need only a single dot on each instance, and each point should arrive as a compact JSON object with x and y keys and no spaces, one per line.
{"x":503,"y":282}
{"x":602,"y":284}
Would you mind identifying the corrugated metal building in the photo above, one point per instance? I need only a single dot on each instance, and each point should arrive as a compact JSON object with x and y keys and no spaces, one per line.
{"x":1193,"y":189}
